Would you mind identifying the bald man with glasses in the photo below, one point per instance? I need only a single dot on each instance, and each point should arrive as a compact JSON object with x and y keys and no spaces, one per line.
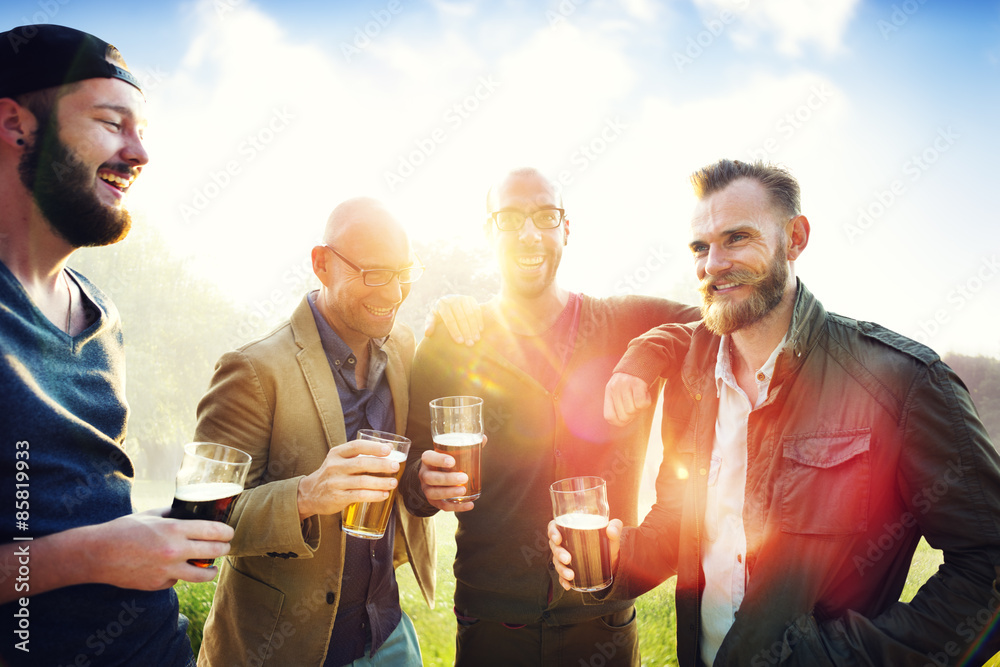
{"x":296,"y":589}
{"x":540,"y":366}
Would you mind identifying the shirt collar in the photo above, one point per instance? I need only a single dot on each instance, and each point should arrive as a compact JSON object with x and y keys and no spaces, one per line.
{"x":724,"y":366}
{"x":339,"y":353}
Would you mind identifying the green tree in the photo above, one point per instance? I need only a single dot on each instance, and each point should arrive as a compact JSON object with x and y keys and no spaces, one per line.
{"x":175,"y":327}
{"x":981,"y":375}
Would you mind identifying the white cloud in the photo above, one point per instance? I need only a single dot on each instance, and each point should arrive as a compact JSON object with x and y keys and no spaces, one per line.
{"x":792,"y":23}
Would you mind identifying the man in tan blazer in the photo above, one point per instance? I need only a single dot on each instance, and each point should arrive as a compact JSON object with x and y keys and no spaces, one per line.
{"x":295,"y":589}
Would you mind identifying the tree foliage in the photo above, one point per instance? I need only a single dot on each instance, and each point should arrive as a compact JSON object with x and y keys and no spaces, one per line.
{"x":177,"y":325}
{"x":982,"y":376}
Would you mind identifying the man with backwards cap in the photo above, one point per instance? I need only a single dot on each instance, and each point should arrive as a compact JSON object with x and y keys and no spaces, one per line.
{"x":83,"y":579}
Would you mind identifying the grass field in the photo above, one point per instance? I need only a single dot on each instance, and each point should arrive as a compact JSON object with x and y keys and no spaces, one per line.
{"x":436,"y":627}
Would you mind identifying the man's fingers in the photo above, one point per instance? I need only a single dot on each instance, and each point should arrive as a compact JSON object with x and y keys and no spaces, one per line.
{"x":452,"y":506}
{"x":436,"y":459}
{"x":213,"y":531}
{"x":615,"y":527}
{"x":461,"y":316}
{"x":624,"y":397}
{"x":560,"y":557}
{"x":434,"y":478}
{"x":356,"y":448}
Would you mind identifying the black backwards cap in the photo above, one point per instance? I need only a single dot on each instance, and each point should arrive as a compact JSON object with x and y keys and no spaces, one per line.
{"x":34,"y":57}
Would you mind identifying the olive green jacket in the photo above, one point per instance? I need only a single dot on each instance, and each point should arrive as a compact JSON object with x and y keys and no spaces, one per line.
{"x":279,"y":587}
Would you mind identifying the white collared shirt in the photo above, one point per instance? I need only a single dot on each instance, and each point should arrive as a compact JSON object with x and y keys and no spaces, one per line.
{"x":724,"y":543}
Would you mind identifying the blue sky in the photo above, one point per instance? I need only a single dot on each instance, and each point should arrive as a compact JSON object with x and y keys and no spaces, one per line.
{"x":264,"y":115}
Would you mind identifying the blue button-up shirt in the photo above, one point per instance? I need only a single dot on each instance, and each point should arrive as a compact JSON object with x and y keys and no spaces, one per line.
{"x":369,"y":597}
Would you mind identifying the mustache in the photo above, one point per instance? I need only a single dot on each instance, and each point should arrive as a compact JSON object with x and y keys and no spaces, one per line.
{"x":121,"y":168}
{"x":737,"y":276}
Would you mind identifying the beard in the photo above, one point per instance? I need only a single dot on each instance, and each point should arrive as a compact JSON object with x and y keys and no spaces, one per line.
{"x":723,"y":315}
{"x":62,"y":187}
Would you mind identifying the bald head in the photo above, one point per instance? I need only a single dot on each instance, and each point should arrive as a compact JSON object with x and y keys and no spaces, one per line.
{"x":361,"y":216}
{"x":542,"y":185}
{"x":361,"y":238}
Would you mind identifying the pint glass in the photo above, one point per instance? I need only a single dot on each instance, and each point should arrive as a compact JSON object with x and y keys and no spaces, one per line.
{"x":369,"y":520}
{"x":457,"y":429}
{"x":208,"y":481}
{"x":580,"y":508}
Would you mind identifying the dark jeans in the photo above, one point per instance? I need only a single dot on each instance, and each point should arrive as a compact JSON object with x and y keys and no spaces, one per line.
{"x":608,"y":641}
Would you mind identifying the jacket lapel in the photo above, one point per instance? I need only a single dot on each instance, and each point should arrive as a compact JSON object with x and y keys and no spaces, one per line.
{"x":318,"y":376}
{"x":396,"y":375}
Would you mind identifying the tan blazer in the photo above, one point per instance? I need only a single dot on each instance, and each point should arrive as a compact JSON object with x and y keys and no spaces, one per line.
{"x":279,"y":588}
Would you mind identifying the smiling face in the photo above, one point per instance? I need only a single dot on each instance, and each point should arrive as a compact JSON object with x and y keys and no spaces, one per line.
{"x":370,"y":237}
{"x":528,"y":257}
{"x":740,"y":252}
{"x":80,"y":165}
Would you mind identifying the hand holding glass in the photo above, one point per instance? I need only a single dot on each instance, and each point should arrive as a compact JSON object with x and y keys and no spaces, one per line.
{"x":580,"y":508}
{"x":370,"y":520}
{"x":208,"y":481}
{"x":457,"y":430}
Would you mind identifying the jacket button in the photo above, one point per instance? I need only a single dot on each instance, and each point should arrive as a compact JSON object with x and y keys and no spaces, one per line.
{"x":703,"y":471}
{"x":330,"y":597}
{"x":697,"y":397}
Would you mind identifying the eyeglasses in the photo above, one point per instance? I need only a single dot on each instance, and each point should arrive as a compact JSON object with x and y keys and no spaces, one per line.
{"x":379,"y":277}
{"x":511,"y":220}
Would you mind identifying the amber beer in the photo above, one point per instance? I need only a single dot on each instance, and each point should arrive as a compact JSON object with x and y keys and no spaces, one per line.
{"x":467,"y":450}
{"x":585,"y":537}
{"x":370,"y":520}
{"x":457,"y":430}
{"x":209,"y":502}
{"x":208,"y":481}
{"x":580,"y":509}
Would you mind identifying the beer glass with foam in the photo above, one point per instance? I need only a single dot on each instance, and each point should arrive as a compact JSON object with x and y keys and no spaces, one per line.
{"x":208,"y":481}
{"x":457,"y":430}
{"x":369,"y":520}
{"x":580,"y":508}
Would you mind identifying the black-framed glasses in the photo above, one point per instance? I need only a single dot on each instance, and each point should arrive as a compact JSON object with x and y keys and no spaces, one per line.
{"x":511,"y":220}
{"x":379,"y":277}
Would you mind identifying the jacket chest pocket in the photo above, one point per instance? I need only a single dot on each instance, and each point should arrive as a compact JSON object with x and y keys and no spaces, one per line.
{"x":825,"y":480}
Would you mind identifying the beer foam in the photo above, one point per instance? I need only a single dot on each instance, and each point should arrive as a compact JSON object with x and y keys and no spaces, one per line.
{"x":582,"y":521}
{"x":199,"y":493}
{"x":458,"y":439}
{"x":394,"y":455}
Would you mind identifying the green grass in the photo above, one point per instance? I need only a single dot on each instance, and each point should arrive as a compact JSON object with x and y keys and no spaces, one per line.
{"x":436,"y":627}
